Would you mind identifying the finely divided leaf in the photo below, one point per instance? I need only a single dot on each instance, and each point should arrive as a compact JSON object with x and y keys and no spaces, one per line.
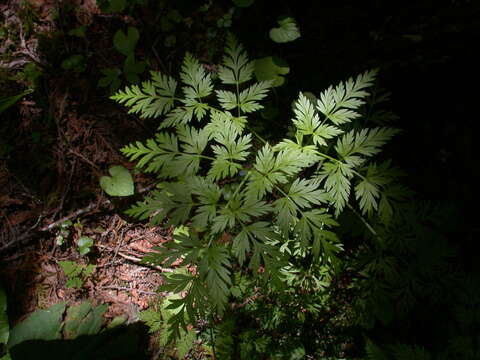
{"x":308,"y":123}
{"x":227,"y":155}
{"x":227,"y":99}
{"x":214,"y":269}
{"x":305,"y":193}
{"x":193,"y":141}
{"x":249,"y":238}
{"x":236,"y":68}
{"x":338,"y":104}
{"x":248,"y":100}
{"x":337,"y":177}
{"x":367,"y":191}
{"x":208,"y":194}
{"x":367,"y":142}
{"x":272,"y":169}
{"x":199,"y":83}
{"x":178,"y":116}
{"x":222,"y":122}
{"x":152,"y":99}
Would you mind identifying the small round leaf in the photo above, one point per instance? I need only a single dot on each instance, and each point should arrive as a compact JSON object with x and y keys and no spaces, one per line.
{"x":84,"y":244}
{"x":119,"y":184}
{"x":271,"y":68}
{"x":288,"y":31}
{"x":125,"y":43}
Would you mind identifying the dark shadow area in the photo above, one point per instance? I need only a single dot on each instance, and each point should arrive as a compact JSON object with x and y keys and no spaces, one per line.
{"x":121,"y":343}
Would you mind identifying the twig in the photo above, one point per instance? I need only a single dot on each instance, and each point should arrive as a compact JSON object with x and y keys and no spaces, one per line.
{"x":75,"y":214}
{"x":113,"y":287}
{"x":365,"y":222}
{"x":84,"y":158}
{"x":92,"y":206}
{"x":55,"y":224}
{"x":137,"y":260}
{"x":66,"y":190}
{"x":117,"y":248}
{"x":17,"y":63}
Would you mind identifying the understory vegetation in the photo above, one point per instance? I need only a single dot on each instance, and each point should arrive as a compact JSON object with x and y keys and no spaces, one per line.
{"x":281,"y":218}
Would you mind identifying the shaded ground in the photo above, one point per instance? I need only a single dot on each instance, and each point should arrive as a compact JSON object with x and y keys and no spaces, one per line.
{"x":119,"y":280}
{"x":64,"y":138}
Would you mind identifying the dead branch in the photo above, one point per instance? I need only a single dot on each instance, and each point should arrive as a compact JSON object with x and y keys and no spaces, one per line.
{"x":29,"y":234}
{"x":136,"y":260}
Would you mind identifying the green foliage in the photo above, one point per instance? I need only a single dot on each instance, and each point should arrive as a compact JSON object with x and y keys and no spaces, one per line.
{"x":271,"y":68}
{"x":246,"y":201}
{"x":171,"y":18}
{"x":63,"y":232}
{"x":76,"y":273}
{"x":8,"y":102}
{"x":120,"y":183}
{"x":75,"y":63}
{"x":132,"y":69}
{"x":4,"y":327}
{"x":78,"y":31}
{"x":111,"y":79}
{"x":41,"y":325}
{"x":78,"y":332}
{"x":157,"y":319}
{"x":153,"y":98}
{"x":286,"y":32}
{"x":83,"y":319}
{"x":125,"y":43}
{"x":281,"y":323}
{"x":59,"y":322}
{"x":226,"y":20}
{"x":396,"y":352}
{"x":84,"y":244}
{"x":408,"y":283}
{"x":30,"y":74}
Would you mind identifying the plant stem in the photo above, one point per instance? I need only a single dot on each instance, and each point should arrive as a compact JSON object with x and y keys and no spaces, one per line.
{"x":362,"y":219}
{"x":256,"y":135}
{"x":238,"y":187}
{"x":329,"y":157}
{"x":212,"y":340}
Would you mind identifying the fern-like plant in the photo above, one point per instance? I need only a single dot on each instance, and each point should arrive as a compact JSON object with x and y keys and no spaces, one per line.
{"x":242,"y":197}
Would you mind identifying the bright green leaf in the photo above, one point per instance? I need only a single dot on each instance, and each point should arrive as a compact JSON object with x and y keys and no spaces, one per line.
{"x":287,"y":31}
{"x":120,"y":183}
{"x":84,"y":244}
{"x":271,"y":68}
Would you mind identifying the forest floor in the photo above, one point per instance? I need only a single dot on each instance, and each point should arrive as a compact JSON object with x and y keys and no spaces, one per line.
{"x":64,"y":140}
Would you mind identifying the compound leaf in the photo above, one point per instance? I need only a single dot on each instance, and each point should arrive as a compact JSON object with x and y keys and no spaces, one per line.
{"x":236,"y":68}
